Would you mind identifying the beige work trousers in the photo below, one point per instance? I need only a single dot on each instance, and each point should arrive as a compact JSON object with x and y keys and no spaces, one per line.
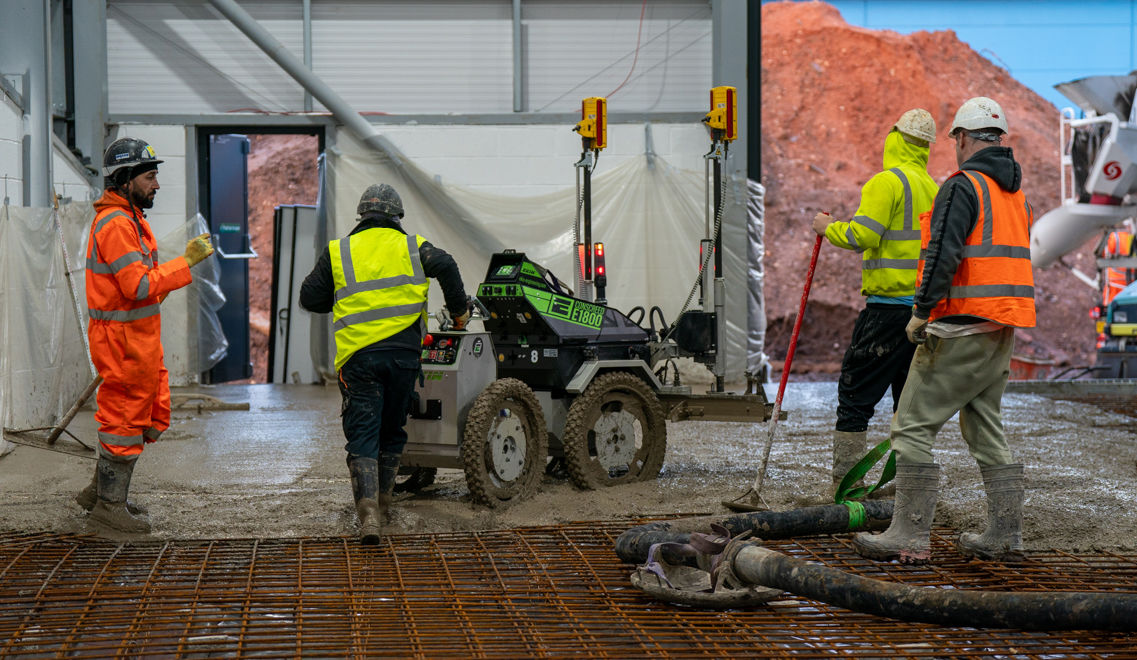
{"x":962,"y":374}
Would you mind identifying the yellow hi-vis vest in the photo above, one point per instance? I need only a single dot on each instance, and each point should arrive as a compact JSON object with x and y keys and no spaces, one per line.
{"x":380,"y":288}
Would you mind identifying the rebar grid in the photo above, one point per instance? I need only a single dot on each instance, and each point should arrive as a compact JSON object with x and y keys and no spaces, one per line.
{"x":535,"y":592}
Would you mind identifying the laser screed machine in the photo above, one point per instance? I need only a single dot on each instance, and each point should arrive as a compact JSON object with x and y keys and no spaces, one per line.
{"x":555,"y":375}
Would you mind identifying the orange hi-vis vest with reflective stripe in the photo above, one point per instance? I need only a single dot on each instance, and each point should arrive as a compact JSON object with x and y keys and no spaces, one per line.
{"x":994,"y":280}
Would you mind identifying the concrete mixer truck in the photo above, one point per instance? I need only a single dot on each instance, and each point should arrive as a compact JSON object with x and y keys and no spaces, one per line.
{"x":1099,"y":199}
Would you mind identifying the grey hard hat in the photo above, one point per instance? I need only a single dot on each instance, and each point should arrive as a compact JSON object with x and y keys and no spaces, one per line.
{"x":380,"y":198}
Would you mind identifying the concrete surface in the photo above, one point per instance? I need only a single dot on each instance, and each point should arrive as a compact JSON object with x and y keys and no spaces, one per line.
{"x":278,"y":470}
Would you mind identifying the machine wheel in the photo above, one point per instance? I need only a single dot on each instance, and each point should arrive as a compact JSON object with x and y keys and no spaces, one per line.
{"x":615,"y":433}
{"x":504,"y":444}
{"x":414,"y":479}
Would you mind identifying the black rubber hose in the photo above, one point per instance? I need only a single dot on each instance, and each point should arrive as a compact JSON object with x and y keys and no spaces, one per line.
{"x":1053,"y":610}
{"x":632,"y":545}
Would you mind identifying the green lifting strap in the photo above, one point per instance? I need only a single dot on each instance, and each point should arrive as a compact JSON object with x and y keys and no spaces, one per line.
{"x":847,"y":492}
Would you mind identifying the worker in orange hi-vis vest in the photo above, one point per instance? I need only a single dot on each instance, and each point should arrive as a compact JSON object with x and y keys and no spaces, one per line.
{"x":125,"y":287}
{"x":1118,"y":243}
{"x":974,"y":286}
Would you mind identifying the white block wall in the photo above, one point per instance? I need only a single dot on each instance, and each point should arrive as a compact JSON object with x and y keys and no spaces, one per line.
{"x":68,"y":177}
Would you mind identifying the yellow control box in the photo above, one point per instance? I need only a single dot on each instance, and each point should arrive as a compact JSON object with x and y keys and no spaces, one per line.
{"x":593,"y":124}
{"x":724,"y":112}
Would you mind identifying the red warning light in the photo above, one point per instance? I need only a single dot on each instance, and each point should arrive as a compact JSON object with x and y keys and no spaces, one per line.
{"x":599,"y":252}
{"x":428,"y":340}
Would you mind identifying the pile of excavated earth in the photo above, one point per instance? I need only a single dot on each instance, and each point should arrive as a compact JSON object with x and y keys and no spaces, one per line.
{"x":830,"y":92}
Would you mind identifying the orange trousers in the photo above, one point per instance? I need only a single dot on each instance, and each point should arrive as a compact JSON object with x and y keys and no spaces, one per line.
{"x":134,"y":399}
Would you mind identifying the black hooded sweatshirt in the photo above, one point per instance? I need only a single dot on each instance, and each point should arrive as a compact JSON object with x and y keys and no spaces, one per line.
{"x":317,"y":293}
{"x":954,"y":215}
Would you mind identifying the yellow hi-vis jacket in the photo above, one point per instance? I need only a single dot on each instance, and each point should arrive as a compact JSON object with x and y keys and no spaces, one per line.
{"x":886,"y":227}
{"x":380,"y":288}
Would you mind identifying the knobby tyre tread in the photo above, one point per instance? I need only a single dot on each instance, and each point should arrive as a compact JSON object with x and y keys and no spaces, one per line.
{"x":584,"y":468}
{"x":475,"y":436}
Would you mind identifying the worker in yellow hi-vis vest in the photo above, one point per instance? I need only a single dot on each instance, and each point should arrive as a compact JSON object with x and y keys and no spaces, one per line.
{"x":374,"y":282}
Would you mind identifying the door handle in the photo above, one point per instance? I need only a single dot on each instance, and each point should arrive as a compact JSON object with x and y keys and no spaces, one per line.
{"x":250,"y":254}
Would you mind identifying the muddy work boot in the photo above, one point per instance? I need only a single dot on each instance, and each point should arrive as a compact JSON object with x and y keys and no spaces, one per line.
{"x":908,"y":538}
{"x":848,"y":450}
{"x":364,"y":486}
{"x":1003,"y":539}
{"x":110,"y":510}
{"x":388,"y":470}
{"x":89,"y":495}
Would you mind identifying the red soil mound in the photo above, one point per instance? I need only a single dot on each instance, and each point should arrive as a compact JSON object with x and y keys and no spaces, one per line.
{"x":830,"y":92}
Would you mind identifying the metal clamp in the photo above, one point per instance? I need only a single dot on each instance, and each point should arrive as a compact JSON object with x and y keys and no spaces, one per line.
{"x":251,"y":254}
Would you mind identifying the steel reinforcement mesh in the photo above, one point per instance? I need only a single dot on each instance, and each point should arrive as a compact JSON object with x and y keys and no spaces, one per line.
{"x":534,"y":592}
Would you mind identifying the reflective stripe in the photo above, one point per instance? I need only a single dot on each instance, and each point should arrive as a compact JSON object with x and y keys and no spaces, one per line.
{"x":109,"y":217}
{"x":985,"y":193}
{"x":1011,"y":251}
{"x":116,"y":265}
{"x":902,"y":264}
{"x":992,"y":291}
{"x":851,"y":239}
{"x":125,"y":315}
{"x":907,"y":196}
{"x":143,"y":288}
{"x":870,"y":224}
{"x":353,"y":286}
{"x":152,"y":433}
{"x":378,"y":314}
{"x":120,"y":440}
{"x":902,"y":235}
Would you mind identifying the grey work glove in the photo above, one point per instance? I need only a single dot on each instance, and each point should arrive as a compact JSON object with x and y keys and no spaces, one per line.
{"x":917,"y":330}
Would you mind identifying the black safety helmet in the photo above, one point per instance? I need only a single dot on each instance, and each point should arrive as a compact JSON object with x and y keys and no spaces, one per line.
{"x":380,"y":198}
{"x":126,"y":158}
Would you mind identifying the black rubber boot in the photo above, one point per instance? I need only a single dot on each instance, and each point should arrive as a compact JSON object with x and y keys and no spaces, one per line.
{"x":110,"y":509}
{"x":1003,"y":539}
{"x":364,"y":486}
{"x":388,"y":470}
{"x":908,"y":538}
{"x":90,"y":495}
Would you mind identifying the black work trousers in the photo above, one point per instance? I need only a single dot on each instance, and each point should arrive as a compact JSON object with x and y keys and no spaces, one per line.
{"x":877,"y":358}
{"x":376,"y":387}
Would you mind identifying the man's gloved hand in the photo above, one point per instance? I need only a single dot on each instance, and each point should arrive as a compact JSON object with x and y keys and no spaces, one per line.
{"x":461,"y":320}
{"x":917,"y":330}
{"x":821,"y":222}
{"x":197,"y":249}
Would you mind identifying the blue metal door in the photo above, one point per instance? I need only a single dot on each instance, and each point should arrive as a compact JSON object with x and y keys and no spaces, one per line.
{"x":228,"y":215}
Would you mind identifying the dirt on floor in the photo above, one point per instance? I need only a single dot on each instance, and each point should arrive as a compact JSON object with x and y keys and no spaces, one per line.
{"x":278,"y":470}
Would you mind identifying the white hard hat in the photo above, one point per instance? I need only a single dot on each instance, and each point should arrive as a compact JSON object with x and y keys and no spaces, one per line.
{"x":979,"y":113}
{"x":917,"y":123}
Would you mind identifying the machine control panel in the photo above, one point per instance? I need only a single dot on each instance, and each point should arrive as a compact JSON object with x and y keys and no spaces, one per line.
{"x":441,"y":350}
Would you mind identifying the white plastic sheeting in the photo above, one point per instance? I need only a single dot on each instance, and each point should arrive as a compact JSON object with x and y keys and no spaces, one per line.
{"x":43,"y":360}
{"x":648,"y":214}
{"x":43,"y":353}
{"x":757,"y":363}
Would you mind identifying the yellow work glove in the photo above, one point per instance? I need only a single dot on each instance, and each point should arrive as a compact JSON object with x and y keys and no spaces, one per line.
{"x":461,"y":320}
{"x":197,"y":249}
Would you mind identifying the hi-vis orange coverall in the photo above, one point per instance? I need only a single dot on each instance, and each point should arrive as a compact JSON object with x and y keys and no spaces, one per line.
{"x":125,"y":285}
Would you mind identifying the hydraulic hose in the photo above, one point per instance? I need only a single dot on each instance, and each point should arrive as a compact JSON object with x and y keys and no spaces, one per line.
{"x":632,"y":546}
{"x":1055,"y":610}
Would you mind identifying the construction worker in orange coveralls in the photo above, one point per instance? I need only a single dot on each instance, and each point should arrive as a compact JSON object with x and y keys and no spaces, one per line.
{"x":125,"y":286}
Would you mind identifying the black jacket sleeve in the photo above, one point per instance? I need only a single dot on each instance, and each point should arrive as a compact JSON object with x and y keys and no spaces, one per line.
{"x":954,"y":215}
{"x":438,"y":264}
{"x":317,"y":293}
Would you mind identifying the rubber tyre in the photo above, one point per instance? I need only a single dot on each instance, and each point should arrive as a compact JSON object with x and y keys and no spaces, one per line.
{"x":414,"y":479}
{"x":611,"y":394}
{"x":502,"y":399}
